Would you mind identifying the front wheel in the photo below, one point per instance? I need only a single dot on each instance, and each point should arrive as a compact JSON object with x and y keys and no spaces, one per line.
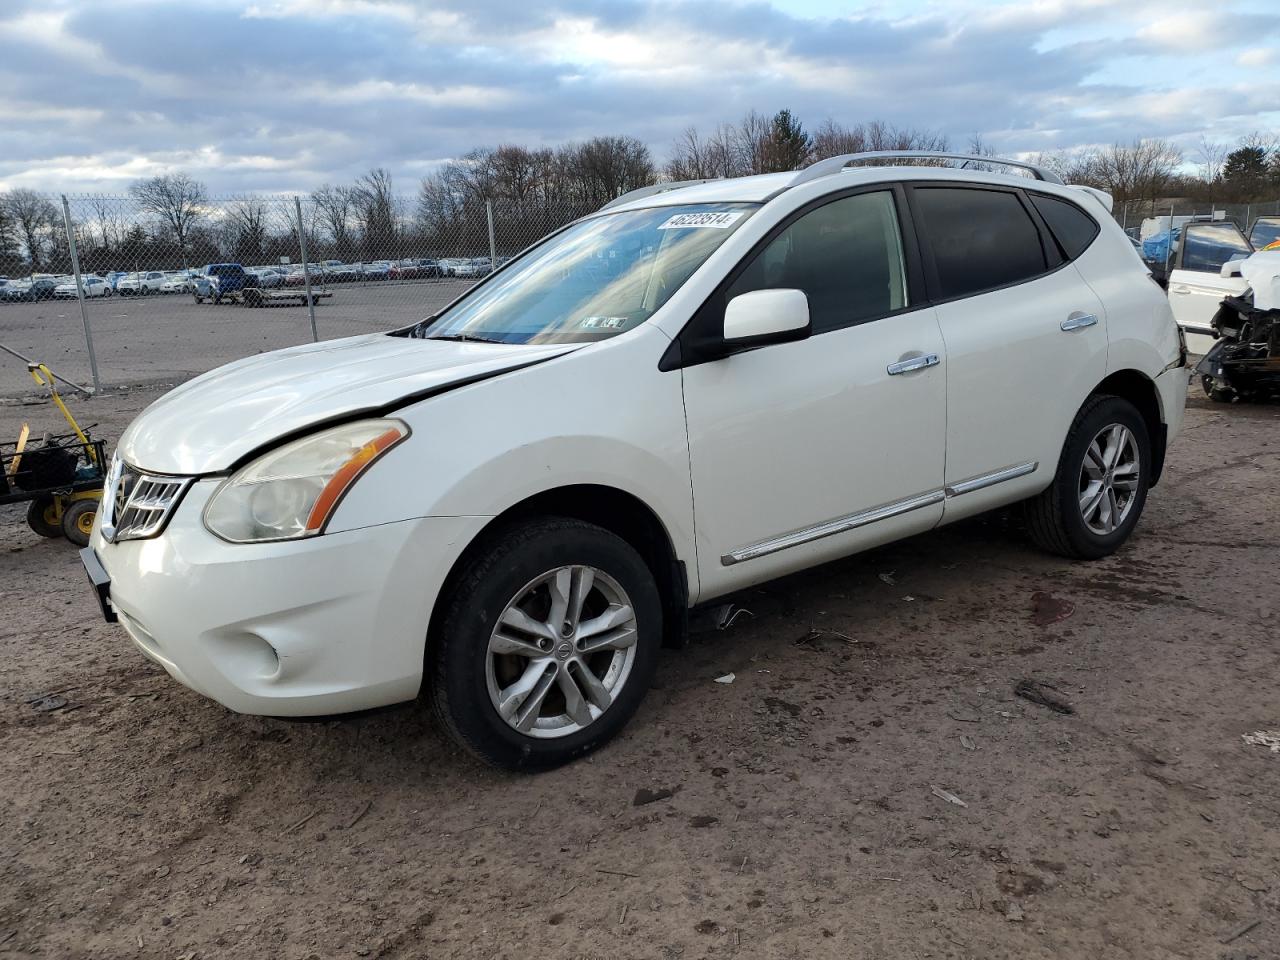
{"x":42,"y":517}
{"x":1100,"y":488}
{"x":547,"y":645}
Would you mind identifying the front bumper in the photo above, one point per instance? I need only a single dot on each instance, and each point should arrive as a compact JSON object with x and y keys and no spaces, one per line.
{"x":1172,"y":388}
{"x":325,"y":625}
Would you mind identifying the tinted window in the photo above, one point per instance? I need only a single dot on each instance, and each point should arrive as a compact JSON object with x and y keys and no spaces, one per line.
{"x":980,"y":239}
{"x":1207,"y":246}
{"x":1071,"y":227}
{"x":846,"y":256}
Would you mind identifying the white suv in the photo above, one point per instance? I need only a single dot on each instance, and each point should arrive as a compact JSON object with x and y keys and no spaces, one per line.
{"x":512,"y":504}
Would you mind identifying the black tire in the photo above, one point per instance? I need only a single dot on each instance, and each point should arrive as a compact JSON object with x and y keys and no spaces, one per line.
{"x":1054,"y":518}
{"x":197,"y":298}
{"x":77,"y":521}
{"x":42,"y":517}
{"x":478,"y":594}
{"x":1216,"y":392}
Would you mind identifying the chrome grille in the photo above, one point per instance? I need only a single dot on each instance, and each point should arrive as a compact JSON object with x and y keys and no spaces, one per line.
{"x":137,"y":505}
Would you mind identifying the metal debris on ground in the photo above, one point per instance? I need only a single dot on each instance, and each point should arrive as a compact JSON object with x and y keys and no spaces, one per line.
{"x":728,"y":614}
{"x":1044,"y":694}
{"x":967,"y":742}
{"x":48,"y":704}
{"x":947,"y":795}
{"x":818,"y":633}
{"x":1047,"y":609}
{"x":644,"y":796}
{"x":888,"y":578}
{"x":1264,"y":738}
{"x":727,"y":678}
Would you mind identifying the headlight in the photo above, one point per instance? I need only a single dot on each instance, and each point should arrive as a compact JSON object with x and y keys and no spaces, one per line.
{"x":292,"y":492}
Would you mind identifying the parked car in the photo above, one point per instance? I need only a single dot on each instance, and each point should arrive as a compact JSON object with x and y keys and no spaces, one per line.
{"x":226,"y":278}
{"x":267,"y":276}
{"x":296,"y":278}
{"x":816,"y":362}
{"x":1196,"y":282}
{"x":176,"y":281}
{"x":375,"y":270}
{"x":40,"y":288}
{"x":140,"y":283}
{"x":462,"y":267}
{"x":94,"y":286}
{"x":113,"y":277}
{"x":404,"y":270}
{"x":337,"y":271}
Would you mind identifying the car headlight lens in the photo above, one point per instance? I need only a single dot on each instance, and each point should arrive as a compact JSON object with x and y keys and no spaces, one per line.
{"x":291,"y":492}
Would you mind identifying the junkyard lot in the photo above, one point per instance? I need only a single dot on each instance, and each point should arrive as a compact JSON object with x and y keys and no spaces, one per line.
{"x":170,"y":338}
{"x":142,"y":820}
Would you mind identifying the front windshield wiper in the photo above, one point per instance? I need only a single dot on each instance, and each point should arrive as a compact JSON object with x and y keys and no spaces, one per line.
{"x":464,"y":338}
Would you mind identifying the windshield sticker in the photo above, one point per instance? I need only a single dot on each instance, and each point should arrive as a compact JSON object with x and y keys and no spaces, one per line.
{"x":602,"y":323}
{"x":719,"y":219}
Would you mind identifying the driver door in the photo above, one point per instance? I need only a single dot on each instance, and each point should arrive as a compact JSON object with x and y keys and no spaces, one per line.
{"x":806,"y":451}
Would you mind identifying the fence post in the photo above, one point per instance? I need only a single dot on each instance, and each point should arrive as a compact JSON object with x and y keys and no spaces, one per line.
{"x":1124,"y":217}
{"x":1168,"y":247}
{"x":306,"y":270}
{"x":84,"y":313}
{"x":493,"y":246}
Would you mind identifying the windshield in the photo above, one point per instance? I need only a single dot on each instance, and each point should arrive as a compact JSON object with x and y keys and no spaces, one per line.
{"x":595,"y":279}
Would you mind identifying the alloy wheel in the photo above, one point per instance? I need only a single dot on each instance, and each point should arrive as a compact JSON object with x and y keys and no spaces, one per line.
{"x":1109,"y":479}
{"x":561,"y":652}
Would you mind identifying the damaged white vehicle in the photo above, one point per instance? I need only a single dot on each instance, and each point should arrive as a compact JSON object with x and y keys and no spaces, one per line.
{"x":511,"y":505}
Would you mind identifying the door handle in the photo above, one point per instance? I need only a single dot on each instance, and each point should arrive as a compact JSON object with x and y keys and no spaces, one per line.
{"x":1182,"y":291}
{"x":915,"y":363}
{"x":1078,"y":321}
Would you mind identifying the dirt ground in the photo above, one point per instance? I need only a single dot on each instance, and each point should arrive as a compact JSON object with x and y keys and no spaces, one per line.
{"x":796,"y":813}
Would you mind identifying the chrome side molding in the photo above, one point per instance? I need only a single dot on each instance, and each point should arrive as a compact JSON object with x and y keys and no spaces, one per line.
{"x":829,"y":528}
{"x":991,"y":479}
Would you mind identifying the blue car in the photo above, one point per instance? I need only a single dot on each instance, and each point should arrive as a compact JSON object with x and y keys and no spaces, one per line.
{"x":216,"y":280}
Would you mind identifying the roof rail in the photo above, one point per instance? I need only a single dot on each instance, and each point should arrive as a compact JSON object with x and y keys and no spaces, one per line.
{"x":832,"y":165}
{"x":654,"y":188}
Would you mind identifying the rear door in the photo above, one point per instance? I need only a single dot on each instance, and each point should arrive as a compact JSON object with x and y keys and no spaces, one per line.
{"x":1196,"y":286}
{"x":1026,"y":337}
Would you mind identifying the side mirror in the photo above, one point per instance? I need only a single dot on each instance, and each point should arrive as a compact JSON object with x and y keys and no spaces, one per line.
{"x":766,"y":316}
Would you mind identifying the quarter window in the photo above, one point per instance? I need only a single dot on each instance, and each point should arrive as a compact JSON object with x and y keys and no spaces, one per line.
{"x":846,"y":256}
{"x":980,"y":239}
{"x":1071,"y":227}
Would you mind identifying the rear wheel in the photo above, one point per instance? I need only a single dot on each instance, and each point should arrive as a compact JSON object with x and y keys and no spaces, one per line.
{"x":77,"y":521}
{"x":42,"y":517}
{"x":1100,"y":488}
{"x":547,"y":645}
{"x":1216,"y":391}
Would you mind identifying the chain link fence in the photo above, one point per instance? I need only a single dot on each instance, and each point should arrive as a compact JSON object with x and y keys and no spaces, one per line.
{"x":113,"y":291}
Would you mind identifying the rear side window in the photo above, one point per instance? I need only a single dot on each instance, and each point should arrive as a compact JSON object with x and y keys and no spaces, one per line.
{"x":846,"y":256}
{"x":980,"y":239}
{"x":1071,"y":227}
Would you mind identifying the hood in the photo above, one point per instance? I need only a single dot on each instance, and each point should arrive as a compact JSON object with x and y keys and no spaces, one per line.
{"x":207,"y":424}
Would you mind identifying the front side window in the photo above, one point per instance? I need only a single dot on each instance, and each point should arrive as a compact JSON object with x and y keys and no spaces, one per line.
{"x":1207,"y":246}
{"x":595,"y":279}
{"x":980,"y":239}
{"x":1265,"y":230}
{"x":846,"y":256}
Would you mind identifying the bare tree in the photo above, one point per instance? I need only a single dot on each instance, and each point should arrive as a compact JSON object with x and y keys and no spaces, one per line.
{"x":247,"y":220}
{"x":375,"y":209}
{"x":335,"y":206}
{"x":833,"y":139}
{"x":1134,"y":171}
{"x":33,"y":216}
{"x":1211,"y":156}
{"x":692,"y":158}
{"x":607,"y":167}
{"x":177,"y":200}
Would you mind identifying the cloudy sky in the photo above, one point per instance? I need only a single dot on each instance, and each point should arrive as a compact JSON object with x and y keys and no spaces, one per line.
{"x":282,"y":95}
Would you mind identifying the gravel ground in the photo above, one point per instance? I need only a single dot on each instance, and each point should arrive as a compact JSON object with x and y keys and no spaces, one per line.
{"x":159,"y":339}
{"x":800,"y":811}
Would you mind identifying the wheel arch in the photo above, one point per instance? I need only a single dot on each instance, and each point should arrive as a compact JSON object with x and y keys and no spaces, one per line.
{"x":621,"y":513}
{"x":1140,"y":390}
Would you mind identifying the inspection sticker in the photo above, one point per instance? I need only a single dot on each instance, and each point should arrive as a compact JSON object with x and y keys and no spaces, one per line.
{"x":719,"y":219}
